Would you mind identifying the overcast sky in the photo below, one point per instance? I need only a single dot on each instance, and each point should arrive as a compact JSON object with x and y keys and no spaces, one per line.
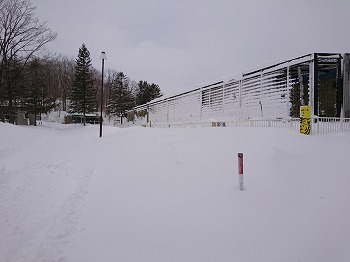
{"x":179,"y":44}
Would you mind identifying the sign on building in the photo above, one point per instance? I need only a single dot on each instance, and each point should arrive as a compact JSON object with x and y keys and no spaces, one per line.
{"x":305,"y":120}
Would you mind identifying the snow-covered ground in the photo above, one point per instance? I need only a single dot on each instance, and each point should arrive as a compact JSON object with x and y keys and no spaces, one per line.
{"x":144,"y":194}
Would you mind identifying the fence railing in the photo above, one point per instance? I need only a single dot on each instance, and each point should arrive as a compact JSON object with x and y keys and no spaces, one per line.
{"x":320,"y":125}
{"x":324,"y":125}
{"x":291,"y":123}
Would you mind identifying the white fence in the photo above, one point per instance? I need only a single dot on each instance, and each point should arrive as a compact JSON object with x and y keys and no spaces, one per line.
{"x":324,"y":125}
{"x":291,"y":123}
{"x":320,"y":125}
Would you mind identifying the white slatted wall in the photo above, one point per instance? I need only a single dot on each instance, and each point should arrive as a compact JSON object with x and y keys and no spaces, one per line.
{"x":261,"y":94}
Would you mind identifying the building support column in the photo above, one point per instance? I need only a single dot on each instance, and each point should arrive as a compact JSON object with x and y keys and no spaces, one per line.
{"x":346,"y":85}
{"x":339,"y":89}
{"x":316,"y":87}
{"x":311,"y":86}
{"x":288,"y":92}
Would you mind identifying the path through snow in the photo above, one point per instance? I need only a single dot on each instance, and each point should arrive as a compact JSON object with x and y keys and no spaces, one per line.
{"x":140,"y":194}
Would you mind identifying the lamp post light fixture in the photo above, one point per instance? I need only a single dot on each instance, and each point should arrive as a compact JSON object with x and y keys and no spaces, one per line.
{"x":103,"y":58}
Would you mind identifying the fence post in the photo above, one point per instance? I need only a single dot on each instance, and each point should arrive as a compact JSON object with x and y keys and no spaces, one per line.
{"x":240,"y":171}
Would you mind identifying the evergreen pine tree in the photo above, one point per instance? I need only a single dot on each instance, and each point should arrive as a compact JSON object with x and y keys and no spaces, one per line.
{"x":13,"y":91}
{"x":147,"y":92}
{"x":83,"y":93}
{"x":37,"y":100}
{"x":121,"y":96}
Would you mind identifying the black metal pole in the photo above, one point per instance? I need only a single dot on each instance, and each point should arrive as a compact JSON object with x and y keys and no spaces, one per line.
{"x":103,"y":64}
{"x":316,"y":86}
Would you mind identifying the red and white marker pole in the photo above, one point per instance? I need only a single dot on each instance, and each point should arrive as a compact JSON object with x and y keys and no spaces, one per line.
{"x":240,"y":171}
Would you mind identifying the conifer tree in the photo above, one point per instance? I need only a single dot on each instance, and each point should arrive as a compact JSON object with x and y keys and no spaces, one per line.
{"x":83,"y":93}
{"x":121,"y":96}
{"x":37,"y":99}
{"x":147,"y":92}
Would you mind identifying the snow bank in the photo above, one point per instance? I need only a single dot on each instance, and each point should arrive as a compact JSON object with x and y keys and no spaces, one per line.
{"x":142,"y":194}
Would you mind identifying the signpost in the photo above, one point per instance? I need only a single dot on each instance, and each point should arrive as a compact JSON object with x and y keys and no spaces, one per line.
{"x":305,"y":120}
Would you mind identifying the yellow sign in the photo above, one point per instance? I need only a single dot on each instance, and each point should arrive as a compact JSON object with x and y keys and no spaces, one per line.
{"x":305,"y":120}
{"x":305,"y":111}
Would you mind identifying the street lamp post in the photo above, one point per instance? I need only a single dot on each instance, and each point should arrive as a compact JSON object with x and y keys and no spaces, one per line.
{"x":102,"y":57}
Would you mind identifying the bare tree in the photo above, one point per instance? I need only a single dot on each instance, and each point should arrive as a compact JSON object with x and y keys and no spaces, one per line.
{"x":21,"y":36}
{"x":111,"y":75}
{"x":65,"y":75}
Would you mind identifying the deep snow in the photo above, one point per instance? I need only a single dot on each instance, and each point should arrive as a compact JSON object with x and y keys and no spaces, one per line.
{"x":145,"y":194}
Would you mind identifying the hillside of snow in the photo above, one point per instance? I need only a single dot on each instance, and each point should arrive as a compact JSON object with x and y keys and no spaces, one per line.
{"x":147,"y":194}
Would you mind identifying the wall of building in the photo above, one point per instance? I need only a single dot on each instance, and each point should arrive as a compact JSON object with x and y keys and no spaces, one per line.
{"x":272,"y":92}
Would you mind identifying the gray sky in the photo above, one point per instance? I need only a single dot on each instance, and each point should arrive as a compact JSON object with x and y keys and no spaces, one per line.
{"x":179,"y":44}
